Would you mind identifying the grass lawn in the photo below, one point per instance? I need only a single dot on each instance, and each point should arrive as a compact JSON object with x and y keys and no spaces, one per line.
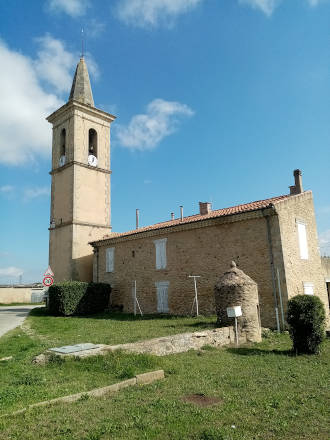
{"x":264,"y":392}
{"x":21,"y":304}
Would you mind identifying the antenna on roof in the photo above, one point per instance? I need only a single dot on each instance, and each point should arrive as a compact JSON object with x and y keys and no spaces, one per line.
{"x":82,"y":42}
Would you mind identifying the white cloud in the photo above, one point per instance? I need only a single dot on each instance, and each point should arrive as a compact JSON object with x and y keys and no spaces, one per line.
{"x":74,"y":8}
{"x":54,"y":64}
{"x":10,"y":271}
{"x":324,"y":240}
{"x":24,"y":106}
{"x":266,"y":6}
{"x":146,"y":131}
{"x":6,"y":189}
{"x":150,"y":13}
{"x":314,"y":2}
{"x":32,"y":193}
{"x":30,"y":90}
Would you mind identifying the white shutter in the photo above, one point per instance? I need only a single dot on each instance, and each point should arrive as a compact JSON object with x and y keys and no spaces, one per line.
{"x":302,"y":238}
{"x":308,"y":288}
{"x":110,"y":259}
{"x":162,"y":296}
{"x":161,"y":260}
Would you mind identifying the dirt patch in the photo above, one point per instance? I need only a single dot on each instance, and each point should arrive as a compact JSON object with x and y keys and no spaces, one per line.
{"x":201,"y":400}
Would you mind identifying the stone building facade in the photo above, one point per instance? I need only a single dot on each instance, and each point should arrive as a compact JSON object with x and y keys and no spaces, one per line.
{"x":274,"y":241}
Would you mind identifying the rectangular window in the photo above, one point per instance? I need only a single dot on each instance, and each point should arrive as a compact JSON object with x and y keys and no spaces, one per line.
{"x":308,"y":288}
{"x":302,"y":238}
{"x":110,"y":259}
{"x":160,"y":246}
{"x":162,"y":296}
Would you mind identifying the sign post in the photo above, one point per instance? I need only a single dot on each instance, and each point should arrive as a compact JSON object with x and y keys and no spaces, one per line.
{"x":235,"y":312}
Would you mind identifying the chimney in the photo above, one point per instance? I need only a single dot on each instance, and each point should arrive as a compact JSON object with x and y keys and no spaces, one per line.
{"x":181,"y":212}
{"x":172,"y":215}
{"x":205,"y":208}
{"x":297,"y":188}
{"x":137,"y":215}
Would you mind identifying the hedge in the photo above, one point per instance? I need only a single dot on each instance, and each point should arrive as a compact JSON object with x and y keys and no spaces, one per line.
{"x":306,"y":319}
{"x":78,"y":298}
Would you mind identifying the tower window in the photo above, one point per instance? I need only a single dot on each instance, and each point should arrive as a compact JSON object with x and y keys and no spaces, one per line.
{"x":92,"y":142}
{"x":63,"y":142}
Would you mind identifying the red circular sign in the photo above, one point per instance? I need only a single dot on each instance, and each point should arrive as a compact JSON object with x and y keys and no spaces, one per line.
{"x":47,"y":281}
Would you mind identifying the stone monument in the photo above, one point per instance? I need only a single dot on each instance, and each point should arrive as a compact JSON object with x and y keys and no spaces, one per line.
{"x":235,"y":288}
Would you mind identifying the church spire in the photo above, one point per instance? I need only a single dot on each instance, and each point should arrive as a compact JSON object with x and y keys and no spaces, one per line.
{"x":81,"y":87}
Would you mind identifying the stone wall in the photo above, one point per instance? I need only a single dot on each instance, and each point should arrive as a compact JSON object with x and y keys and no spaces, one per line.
{"x":264,"y":244}
{"x":325,"y":261}
{"x":15,"y":294}
{"x":204,"y":249}
{"x":166,"y":345}
{"x":299,"y":271}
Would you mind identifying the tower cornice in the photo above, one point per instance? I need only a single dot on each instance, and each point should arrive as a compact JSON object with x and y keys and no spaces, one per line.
{"x":81,"y":164}
{"x":75,"y":105}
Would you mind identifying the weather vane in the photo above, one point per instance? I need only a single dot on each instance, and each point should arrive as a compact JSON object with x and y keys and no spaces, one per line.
{"x":82,"y":43}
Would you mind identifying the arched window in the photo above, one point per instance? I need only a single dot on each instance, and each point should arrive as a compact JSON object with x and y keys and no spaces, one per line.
{"x":92,"y":142}
{"x":63,"y":142}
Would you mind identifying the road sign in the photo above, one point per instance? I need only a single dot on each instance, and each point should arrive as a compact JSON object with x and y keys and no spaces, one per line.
{"x":49,"y":272}
{"x":47,"y":281}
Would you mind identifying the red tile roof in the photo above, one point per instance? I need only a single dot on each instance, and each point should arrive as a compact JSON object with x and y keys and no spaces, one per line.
{"x":239,"y":209}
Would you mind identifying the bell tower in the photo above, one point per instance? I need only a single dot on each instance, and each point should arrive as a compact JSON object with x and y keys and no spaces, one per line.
{"x":80,"y":192}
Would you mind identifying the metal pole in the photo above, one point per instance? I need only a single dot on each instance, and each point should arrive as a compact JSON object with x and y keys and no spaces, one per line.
{"x":134,"y":297}
{"x":196,"y":296}
{"x":280,"y":295}
{"x":277,"y":320}
{"x":196,"y":293}
{"x":236,"y":331}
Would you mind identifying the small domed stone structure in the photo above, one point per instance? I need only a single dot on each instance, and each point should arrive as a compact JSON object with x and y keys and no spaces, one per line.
{"x":235,"y":288}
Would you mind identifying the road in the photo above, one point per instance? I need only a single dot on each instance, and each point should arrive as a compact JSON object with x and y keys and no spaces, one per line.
{"x":13,"y":316}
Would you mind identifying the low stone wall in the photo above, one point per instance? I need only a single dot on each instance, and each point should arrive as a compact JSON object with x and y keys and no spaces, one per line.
{"x":15,"y":295}
{"x":170,"y":344}
{"x":182,"y":342}
{"x":20,"y":294}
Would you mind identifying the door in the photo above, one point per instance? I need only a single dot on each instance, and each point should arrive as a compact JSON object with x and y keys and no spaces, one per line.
{"x":162,"y":296}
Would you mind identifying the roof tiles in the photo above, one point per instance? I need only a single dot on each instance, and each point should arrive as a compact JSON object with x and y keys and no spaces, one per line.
{"x":238,"y":209}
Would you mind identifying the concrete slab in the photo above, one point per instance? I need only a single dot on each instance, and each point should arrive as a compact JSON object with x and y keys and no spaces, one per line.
{"x":13,"y":316}
{"x":67,"y":349}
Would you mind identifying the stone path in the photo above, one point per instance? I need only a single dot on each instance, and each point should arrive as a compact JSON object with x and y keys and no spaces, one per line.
{"x":13,"y":316}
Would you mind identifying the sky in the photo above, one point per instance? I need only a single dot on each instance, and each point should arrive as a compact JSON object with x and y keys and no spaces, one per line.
{"x":216,"y":100}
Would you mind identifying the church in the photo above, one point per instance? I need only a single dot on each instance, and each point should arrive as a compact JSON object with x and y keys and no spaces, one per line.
{"x":274,"y":241}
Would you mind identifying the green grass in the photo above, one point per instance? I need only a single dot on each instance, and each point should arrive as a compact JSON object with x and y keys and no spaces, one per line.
{"x":264,"y":391}
{"x":21,"y":304}
{"x":111,"y":328}
{"x":22,"y":382}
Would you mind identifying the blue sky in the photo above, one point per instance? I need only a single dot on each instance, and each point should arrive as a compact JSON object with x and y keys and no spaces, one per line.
{"x":216,"y":100}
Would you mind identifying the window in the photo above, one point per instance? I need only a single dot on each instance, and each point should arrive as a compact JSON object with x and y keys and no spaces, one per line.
{"x":63,"y":142}
{"x":160,"y":246}
{"x":92,"y":142}
{"x":162,"y":296}
{"x":302,"y":238}
{"x":308,"y":288}
{"x":109,"y":259}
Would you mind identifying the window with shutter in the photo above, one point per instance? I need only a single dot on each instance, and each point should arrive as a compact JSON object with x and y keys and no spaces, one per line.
{"x":110,"y":259}
{"x":162,"y":296}
{"x":308,"y":288}
{"x":302,"y":238}
{"x":160,"y":246}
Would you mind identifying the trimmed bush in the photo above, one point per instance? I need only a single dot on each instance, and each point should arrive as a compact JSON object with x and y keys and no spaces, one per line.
{"x":306,"y":319}
{"x":78,"y":298}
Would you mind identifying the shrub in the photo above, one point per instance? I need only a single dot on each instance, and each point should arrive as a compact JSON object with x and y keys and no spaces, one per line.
{"x":78,"y":298}
{"x":306,"y":319}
